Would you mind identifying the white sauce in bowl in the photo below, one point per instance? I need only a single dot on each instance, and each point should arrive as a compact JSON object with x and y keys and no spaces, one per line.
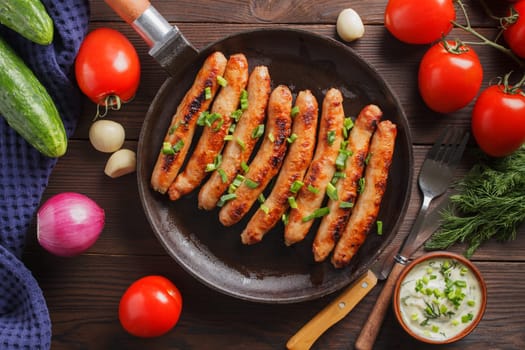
{"x":439,"y":298}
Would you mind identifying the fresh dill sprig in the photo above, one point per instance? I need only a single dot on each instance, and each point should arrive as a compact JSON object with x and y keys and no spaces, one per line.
{"x":490,"y":203}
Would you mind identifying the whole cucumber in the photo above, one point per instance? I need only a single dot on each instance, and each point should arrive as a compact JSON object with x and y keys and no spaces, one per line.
{"x":29,"y":18}
{"x":27,"y":106}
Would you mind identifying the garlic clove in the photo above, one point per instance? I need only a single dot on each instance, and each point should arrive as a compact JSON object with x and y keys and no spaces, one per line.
{"x":122,"y":162}
{"x":349,"y":25}
{"x":106,"y":135}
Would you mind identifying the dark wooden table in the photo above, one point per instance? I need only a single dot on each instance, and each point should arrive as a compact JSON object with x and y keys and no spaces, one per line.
{"x":83,"y":292}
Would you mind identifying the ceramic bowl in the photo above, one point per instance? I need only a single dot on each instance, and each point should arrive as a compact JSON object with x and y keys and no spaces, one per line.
{"x":440,"y":298}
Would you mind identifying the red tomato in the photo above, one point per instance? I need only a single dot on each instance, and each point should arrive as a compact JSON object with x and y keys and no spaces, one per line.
{"x":449,"y":77}
{"x":107,"y":65}
{"x":150,"y":307}
{"x":514,"y":33}
{"x":419,"y":21}
{"x":498,"y":120}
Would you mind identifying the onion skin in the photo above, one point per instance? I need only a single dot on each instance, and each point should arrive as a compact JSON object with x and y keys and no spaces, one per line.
{"x":69,"y":223}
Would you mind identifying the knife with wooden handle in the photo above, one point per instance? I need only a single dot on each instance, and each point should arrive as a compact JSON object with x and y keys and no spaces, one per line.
{"x":383,"y":268}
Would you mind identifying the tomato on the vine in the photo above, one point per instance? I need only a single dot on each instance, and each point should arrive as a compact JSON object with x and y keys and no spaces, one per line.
{"x":498,"y":120}
{"x":419,"y":21}
{"x":450,"y":76}
{"x":150,"y":307}
{"x":107,"y":67}
{"x":514,"y":32}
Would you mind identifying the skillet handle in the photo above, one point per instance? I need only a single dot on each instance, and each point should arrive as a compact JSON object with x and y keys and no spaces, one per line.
{"x":129,"y":10}
{"x":333,"y":313}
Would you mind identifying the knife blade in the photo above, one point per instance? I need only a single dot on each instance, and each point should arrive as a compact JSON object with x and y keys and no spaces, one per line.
{"x":167,"y":44}
{"x":352,"y":295}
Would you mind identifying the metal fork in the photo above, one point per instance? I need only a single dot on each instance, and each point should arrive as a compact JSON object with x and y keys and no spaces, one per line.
{"x":434,"y":178}
{"x":438,"y":168}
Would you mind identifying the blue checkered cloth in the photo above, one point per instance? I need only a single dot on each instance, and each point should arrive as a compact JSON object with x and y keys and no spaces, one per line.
{"x":24,"y":173}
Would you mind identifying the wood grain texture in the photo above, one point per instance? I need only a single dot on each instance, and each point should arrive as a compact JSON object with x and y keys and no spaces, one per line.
{"x":83,"y":293}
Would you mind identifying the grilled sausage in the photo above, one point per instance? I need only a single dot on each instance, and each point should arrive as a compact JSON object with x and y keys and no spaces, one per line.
{"x":321,"y":170}
{"x":340,"y":206}
{"x":368,"y":203}
{"x":268,"y":159}
{"x":234,"y":155}
{"x":295,"y":164}
{"x":212,"y":141}
{"x":180,"y":132}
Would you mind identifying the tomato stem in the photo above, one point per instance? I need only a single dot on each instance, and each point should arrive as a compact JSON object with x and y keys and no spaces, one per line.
{"x":484,"y":40}
{"x":110,"y":102}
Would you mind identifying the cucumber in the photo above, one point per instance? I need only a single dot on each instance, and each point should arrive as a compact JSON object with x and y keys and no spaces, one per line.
{"x":29,"y":18}
{"x":27,"y":106}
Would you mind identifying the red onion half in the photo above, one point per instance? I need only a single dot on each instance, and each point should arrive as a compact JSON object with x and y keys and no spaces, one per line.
{"x":69,"y":223}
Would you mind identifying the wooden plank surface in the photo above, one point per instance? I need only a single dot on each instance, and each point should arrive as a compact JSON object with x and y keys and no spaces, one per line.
{"x":83,"y":292}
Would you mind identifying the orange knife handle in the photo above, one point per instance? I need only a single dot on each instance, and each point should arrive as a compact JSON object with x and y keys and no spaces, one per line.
{"x":333,"y":313}
{"x":369,"y":332}
{"x":128,"y":10}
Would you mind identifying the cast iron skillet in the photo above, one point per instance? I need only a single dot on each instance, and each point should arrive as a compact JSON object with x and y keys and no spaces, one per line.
{"x":269,"y":271}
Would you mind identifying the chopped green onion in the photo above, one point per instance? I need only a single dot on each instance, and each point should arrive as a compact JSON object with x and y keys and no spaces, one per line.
{"x":337,"y":175}
{"x":292,"y":202}
{"x":294,"y":111}
{"x":261,"y":198}
{"x":379,"y":224}
{"x":312,"y":189}
{"x":345,"y":133}
{"x":232,"y":127}
{"x":435,"y":328}
{"x":241,"y":144}
{"x":348,"y":123}
{"x":167,"y":149}
{"x":292,"y":138}
{"x":361,"y":185}
{"x":245,"y":167}
{"x":467,"y":318}
{"x":201,"y":120}
{"x":178,"y":146}
{"x":251,"y":184}
{"x":296,"y":186}
{"x":285,"y":218}
{"x":207,"y":119}
{"x":317,"y":214}
{"x":258,"y":131}
{"x":471,"y":303}
{"x":228,"y":137}
{"x":244,"y":100}
{"x":345,"y":205}
{"x":238,"y":180}
{"x":340,"y":161}
{"x":460,"y":283}
{"x":175,"y":127}
{"x":265,"y":208}
{"x":223,"y":175}
{"x":226,"y":197}
{"x":271,"y":137}
{"x":367,"y":159}
{"x":216,"y":163}
{"x":330,"y":137}
{"x":221,"y":81}
{"x":331,"y":191}
{"x":236,"y":115}
{"x":207,"y":93}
